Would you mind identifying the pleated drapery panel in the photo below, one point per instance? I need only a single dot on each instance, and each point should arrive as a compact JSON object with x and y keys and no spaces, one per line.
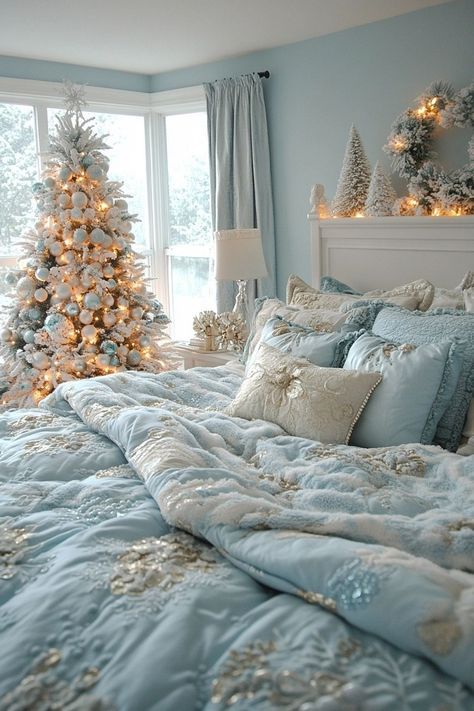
{"x":241,"y":191}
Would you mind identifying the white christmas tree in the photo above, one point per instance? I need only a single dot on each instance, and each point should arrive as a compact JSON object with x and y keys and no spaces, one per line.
{"x":354,"y":180}
{"x":382,"y":196}
{"x":82,"y":305}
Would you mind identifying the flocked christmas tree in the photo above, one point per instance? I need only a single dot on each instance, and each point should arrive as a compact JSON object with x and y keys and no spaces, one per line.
{"x":82,"y":305}
{"x":354,"y":180}
{"x":381,"y":196}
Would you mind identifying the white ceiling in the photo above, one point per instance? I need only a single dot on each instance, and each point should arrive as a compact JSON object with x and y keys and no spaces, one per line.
{"x":152,"y":36}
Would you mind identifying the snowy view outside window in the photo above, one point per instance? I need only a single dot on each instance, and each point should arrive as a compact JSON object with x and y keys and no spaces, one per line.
{"x":192,"y":285}
{"x":18,"y":170}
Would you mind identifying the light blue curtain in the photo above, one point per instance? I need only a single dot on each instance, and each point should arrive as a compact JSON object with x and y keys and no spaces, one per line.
{"x":241,"y":191}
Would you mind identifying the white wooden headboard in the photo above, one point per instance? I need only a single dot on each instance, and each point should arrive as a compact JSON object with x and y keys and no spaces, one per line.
{"x":382,"y":252}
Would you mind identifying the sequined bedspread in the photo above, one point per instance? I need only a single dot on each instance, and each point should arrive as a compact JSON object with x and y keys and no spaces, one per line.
{"x":156,"y":553}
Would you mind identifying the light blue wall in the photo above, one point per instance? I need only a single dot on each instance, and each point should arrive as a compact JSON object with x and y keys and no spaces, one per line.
{"x":20,"y":68}
{"x":366,"y":75}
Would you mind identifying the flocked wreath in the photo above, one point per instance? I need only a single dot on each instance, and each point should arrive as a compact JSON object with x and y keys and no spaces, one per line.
{"x":433,"y":191}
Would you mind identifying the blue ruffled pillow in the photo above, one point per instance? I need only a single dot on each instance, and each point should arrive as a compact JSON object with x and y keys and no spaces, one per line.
{"x":330,"y":285}
{"x":417,"y":385}
{"x":328,"y":350}
{"x":422,"y":328}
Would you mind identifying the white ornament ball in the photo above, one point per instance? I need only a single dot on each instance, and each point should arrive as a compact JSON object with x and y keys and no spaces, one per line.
{"x":108,"y":300}
{"x":56,"y":249}
{"x":86,"y":317}
{"x":137,"y":312}
{"x":120,"y":243}
{"x":79,"y":199}
{"x":76,"y":214}
{"x":122,"y":302}
{"x":40,"y":360}
{"x":64,"y":173}
{"x":109,"y":320}
{"x":126,"y":226}
{"x":92,"y":300}
{"x":64,"y":200}
{"x":122,"y":350}
{"x":122,"y":204}
{"x":25,"y":286}
{"x":79,"y":237}
{"x":133,"y":357}
{"x":49,"y":182}
{"x":89,"y":213}
{"x":41,"y":295}
{"x":79,"y":365}
{"x":5,"y":334}
{"x":103,"y":360}
{"x":108,"y":271}
{"x":95,"y":172}
{"x":42,"y":273}
{"x":86,"y":280}
{"x":69,"y":257}
{"x":97,"y":236}
{"x":63,"y":291}
{"x":144,"y":341}
{"x":113,"y":212}
{"x":107,"y":241}
{"x":89,"y":332}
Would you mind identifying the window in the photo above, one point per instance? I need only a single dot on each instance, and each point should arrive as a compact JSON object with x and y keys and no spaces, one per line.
{"x":18,"y":171}
{"x":158,"y":149}
{"x":189,"y":236}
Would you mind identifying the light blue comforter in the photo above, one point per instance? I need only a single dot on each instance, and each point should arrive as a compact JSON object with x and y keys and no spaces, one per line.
{"x":158,"y":554}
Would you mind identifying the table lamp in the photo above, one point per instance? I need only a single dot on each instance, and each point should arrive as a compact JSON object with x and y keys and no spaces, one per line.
{"x":239,"y":257}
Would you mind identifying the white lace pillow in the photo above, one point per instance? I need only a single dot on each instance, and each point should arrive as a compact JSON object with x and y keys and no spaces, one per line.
{"x":322,"y":404}
{"x":415,"y":295}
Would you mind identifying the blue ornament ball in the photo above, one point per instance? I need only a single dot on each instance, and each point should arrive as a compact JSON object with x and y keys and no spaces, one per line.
{"x":34,"y":314}
{"x":114,"y":360}
{"x":11,"y":278}
{"x":95,"y":172}
{"x":108,"y":347}
{"x":91,"y":300}
{"x":37,"y":188}
{"x":86,"y":161}
{"x":112,"y":283}
{"x":51,"y":322}
{"x":133,"y":357}
{"x":72,"y":309}
{"x":49,"y":182}
{"x":40,"y":245}
{"x":29,"y":335}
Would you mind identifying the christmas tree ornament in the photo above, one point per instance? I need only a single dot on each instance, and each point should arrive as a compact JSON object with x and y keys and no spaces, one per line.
{"x":63,"y":291}
{"x":86,"y":317}
{"x":79,"y":199}
{"x":74,"y":258}
{"x":25,"y":286}
{"x":134,"y":357}
{"x":433,"y":191}
{"x":91,"y":300}
{"x":382,"y":196}
{"x":41,"y":295}
{"x":354,"y":180}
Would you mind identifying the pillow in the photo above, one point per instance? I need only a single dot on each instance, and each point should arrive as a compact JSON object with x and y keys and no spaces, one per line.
{"x":305,"y":400}
{"x":416,"y":295}
{"x":433,"y":327}
{"x":331,"y":285}
{"x":328,"y":350}
{"x":319,"y":320}
{"x":418,"y":383}
{"x":468,"y":298}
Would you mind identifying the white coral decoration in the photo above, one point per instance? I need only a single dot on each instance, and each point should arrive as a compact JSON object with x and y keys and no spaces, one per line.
{"x":206,"y":324}
{"x":232,"y":331}
{"x":382,"y":196}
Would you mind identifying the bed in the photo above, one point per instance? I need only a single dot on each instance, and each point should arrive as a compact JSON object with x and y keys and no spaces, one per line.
{"x":159,"y":553}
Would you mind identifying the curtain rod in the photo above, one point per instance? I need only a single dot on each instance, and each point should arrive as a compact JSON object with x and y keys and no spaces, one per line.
{"x":264,"y":75}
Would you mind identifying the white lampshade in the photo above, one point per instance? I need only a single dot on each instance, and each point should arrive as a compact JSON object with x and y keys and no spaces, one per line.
{"x":239,"y":255}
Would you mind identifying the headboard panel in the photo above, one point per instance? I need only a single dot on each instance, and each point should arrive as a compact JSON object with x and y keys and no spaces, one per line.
{"x":382,"y":252}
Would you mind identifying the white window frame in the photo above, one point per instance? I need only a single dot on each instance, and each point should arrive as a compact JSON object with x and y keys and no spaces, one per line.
{"x":154,"y":107}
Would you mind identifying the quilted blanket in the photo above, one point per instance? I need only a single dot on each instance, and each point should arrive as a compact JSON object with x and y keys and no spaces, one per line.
{"x":156,"y":553}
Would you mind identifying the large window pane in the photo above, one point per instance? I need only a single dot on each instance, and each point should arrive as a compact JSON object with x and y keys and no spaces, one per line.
{"x":188,"y":180}
{"x":192,"y":285}
{"x":126,"y":138}
{"x":18,"y":171}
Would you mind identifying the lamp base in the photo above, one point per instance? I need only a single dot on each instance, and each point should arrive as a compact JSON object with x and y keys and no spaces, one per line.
{"x":241,"y":306}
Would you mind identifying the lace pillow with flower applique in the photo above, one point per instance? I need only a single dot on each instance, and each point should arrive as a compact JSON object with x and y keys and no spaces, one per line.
{"x":415,"y":295}
{"x":305,"y":400}
{"x":418,"y":383}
